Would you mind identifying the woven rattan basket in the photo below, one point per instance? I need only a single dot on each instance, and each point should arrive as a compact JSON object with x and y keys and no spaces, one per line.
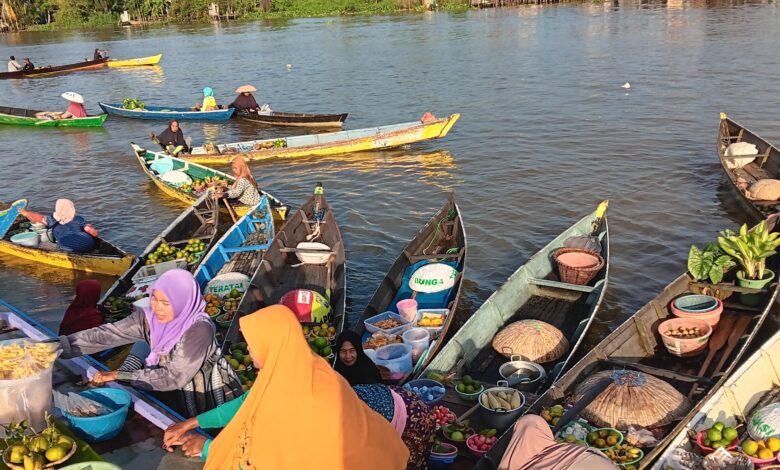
{"x":574,"y":274}
{"x":533,"y":340}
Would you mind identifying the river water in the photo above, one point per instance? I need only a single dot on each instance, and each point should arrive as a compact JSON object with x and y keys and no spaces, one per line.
{"x":546,"y":132}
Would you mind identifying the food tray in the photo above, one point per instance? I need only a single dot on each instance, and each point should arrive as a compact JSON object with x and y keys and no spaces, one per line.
{"x":371,"y":328}
{"x":151,"y":272}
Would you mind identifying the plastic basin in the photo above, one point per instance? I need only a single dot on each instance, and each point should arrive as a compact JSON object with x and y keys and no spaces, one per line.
{"x":472,"y":449}
{"x":620,"y":440}
{"x":437,"y":397}
{"x":28,"y":239}
{"x":708,"y":450}
{"x":101,"y":428}
{"x":685,"y":347}
{"x":711,"y":316}
{"x":396,"y":357}
{"x":696,"y":303}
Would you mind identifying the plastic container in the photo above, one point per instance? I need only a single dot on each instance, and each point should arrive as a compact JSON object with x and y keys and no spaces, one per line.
{"x":28,"y":239}
{"x":396,"y":357}
{"x":441,"y":461}
{"x":470,"y":444}
{"x":500,"y":419}
{"x":152,"y":271}
{"x":696,"y":303}
{"x":102,"y":428}
{"x":407,"y":308}
{"x":28,"y":398}
{"x":469,"y":396}
{"x":437,"y":397}
{"x":759,"y":463}
{"x":635,"y":461}
{"x":685,"y":347}
{"x":371,"y":328}
{"x":710,"y":316}
{"x":433,"y":312}
{"x":419,"y":339}
{"x":708,"y":450}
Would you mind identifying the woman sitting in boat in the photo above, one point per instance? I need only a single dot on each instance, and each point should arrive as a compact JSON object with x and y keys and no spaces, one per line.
{"x":245,"y":101}
{"x":352,"y":362}
{"x":181,"y":354}
{"x":70,"y":231}
{"x":172,"y":139}
{"x":298,"y":394}
{"x":83,"y":313}
{"x":209,"y":102}
{"x":76,"y":107}
{"x":411,"y":418}
{"x":244,"y":188}
{"x":27,"y":64}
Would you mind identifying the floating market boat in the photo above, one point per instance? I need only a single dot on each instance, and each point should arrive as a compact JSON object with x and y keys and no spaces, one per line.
{"x":357,"y":140}
{"x":305,"y":269}
{"x":754,"y":385}
{"x":50,"y":71}
{"x":155,"y":164}
{"x":275,"y":118}
{"x":105,"y":258}
{"x":30,"y":117}
{"x":763,"y":162}
{"x":440,"y":243}
{"x":198,"y":224}
{"x":535,"y":295}
{"x":631,"y":379}
{"x":166,"y":113}
{"x":141,"y":61}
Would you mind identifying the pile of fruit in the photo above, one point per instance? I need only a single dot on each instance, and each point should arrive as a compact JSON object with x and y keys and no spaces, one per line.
{"x":33,"y":451}
{"x":623,"y":454}
{"x":603,"y":438}
{"x":167,"y":252}
{"x":213,"y":304}
{"x":552,"y":414}
{"x":468,"y":385}
{"x":457,"y":432}
{"x":321,"y":346}
{"x":483,"y":441}
{"x":24,"y":359}
{"x":232,"y":300}
{"x":685,"y":333}
{"x":118,"y":304}
{"x":760,"y":449}
{"x":133,"y":103}
{"x":324,"y":330}
{"x":719,"y":436}
{"x":443,"y":415}
{"x":501,"y":400}
{"x":430,"y":321}
{"x":238,"y":357}
{"x":428,"y":394}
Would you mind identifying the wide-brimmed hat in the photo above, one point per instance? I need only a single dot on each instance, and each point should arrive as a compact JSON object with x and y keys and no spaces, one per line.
{"x":246,"y":89}
{"x":74,"y":97}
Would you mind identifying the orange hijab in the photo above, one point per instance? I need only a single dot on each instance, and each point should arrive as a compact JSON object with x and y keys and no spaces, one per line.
{"x":300,"y":413}
{"x":243,"y":171}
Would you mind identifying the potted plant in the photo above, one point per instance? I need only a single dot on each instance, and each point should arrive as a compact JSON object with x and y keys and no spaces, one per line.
{"x":751,"y":249}
{"x":709,"y":265}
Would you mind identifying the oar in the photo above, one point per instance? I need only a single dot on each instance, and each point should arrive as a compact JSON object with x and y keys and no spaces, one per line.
{"x":736,"y":332}
{"x":8,"y":216}
{"x":230,"y":210}
{"x":717,"y":340}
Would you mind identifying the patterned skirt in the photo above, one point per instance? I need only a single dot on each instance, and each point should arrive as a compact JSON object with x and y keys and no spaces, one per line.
{"x":420,"y":428}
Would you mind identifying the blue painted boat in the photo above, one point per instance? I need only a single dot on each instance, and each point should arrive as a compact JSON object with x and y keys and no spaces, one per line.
{"x":166,"y":113}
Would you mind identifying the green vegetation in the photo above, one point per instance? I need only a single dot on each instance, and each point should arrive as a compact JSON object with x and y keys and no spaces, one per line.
{"x":61,"y":14}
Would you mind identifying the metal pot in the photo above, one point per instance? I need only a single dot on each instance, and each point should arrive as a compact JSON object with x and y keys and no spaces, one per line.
{"x":516,"y":367}
{"x":500,"y":419}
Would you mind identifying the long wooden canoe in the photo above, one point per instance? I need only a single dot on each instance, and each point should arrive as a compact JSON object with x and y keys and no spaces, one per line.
{"x":50,"y":71}
{"x":533,"y":291}
{"x":766,"y":164}
{"x":280,"y":271}
{"x":199,"y":221}
{"x":636,"y":346}
{"x":105,"y":258}
{"x":372,"y":138}
{"x":276,"y":118}
{"x":166,"y":113}
{"x":30,"y":117}
{"x":752,"y":386}
{"x":141,"y":61}
{"x":441,"y":240}
{"x":195,"y":171}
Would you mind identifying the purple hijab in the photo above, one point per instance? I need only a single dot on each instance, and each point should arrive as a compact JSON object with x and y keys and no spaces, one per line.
{"x":188,"y":307}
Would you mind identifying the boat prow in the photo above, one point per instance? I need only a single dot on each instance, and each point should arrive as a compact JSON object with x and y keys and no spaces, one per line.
{"x":141,"y":61}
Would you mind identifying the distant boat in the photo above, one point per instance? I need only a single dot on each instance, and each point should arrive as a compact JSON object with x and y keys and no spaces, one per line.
{"x":294,"y":119}
{"x":30,"y":117}
{"x":166,"y":113}
{"x":141,"y":61}
{"x":55,"y":70}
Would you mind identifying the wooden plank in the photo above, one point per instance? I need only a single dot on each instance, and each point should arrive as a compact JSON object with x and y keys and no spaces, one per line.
{"x":561,"y":285}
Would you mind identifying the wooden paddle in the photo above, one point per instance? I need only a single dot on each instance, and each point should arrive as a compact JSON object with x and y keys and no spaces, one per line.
{"x":717,"y":340}
{"x":736,"y":332}
{"x":230,"y":210}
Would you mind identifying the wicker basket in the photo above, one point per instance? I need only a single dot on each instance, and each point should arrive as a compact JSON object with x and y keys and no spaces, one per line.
{"x":532,"y":340}
{"x":577,"y":275}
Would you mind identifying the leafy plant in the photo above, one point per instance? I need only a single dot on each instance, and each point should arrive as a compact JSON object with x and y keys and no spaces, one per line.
{"x":750,"y":248}
{"x":709,"y":263}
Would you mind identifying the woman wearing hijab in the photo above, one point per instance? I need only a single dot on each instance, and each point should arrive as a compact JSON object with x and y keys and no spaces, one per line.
{"x":209,"y":102}
{"x":83,"y":313}
{"x":245,"y":101}
{"x":70,"y":231}
{"x":183,"y":354}
{"x":244,"y":188}
{"x":298,"y":394}
{"x":407,"y":412}
{"x":352,"y":362}
{"x":533,"y":447}
{"x":172,"y":139}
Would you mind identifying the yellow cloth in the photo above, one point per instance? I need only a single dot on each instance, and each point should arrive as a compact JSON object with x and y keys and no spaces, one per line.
{"x":300,"y":413}
{"x":209,"y":104}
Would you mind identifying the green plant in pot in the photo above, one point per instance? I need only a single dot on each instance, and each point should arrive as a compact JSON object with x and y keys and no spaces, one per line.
{"x":709,"y":265}
{"x":751,"y":249}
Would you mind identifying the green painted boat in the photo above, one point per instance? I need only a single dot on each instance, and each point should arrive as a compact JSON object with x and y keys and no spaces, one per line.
{"x":533,"y":292}
{"x":30,"y":117}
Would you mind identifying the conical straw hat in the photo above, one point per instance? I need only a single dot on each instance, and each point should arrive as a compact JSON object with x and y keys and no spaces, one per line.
{"x":246,"y":89}
{"x":74,"y":97}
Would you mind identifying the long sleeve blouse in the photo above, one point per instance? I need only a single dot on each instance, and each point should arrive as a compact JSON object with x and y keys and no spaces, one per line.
{"x":219,"y":417}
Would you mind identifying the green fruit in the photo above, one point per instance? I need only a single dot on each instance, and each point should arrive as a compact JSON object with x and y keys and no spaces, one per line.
{"x":462,"y":388}
{"x":556,"y":410}
{"x":39,"y":445}
{"x":55,"y":453}
{"x":65,"y":441}
{"x":326,"y":351}
{"x":456,"y":436}
{"x":247,"y":360}
{"x":467,"y":380}
{"x":730,"y":434}
{"x":320,"y":342}
{"x":714,"y":435}
{"x":469,"y":389}
{"x":17,"y":453}
{"x":750,"y":447}
{"x":239,"y":356}
{"x":718,"y":425}
{"x":707,"y":442}
{"x":233,"y":363}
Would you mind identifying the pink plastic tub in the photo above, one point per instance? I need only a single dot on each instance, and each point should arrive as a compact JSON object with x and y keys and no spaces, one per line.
{"x":712,"y":317}
{"x":407,"y":308}
{"x":685,"y":347}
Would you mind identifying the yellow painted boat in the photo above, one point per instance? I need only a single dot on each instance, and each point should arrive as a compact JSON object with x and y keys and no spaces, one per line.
{"x":358,"y":140}
{"x":151,"y":60}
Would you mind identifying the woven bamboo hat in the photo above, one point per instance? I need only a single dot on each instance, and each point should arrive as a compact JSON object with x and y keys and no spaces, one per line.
{"x":534,"y":340}
{"x":246,"y":89}
{"x":632,"y":399}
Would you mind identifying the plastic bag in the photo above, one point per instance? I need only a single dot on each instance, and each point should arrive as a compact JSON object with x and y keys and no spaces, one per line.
{"x":25,"y":381}
{"x":641,"y":437}
{"x":77,"y":405}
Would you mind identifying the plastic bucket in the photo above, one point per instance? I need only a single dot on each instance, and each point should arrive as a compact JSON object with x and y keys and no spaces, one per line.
{"x":397,"y":358}
{"x":685,"y":347}
{"x":407,"y":308}
{"x":101,"y":428}
{"x":711,"y":316}
{"x":418,"y":339}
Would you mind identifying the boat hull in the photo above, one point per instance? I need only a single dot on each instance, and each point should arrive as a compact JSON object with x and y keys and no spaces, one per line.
{"x":91,"y":263}
{"x":294,"y":119}
{"x":159,"y":113}
{"x":26,"y":117}
{"x":141,"y":61}
{"x":51,"y":71}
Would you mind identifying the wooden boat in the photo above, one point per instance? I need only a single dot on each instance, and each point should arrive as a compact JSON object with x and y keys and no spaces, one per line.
{"x":197,"y":172}
{"x":200,"y":221}
{"x":139,"y":441}
{"x":275,"y":118}
{"x":50,"y":71}
{"x":441,"y":240}
{"x":636,"y":346}
{"x":533,"y":291}
{"x":166,"y":113}
{"x":755,"y":384}
{"x":766,"y":164}
{"x":372,"y":138}
{"x":141,"y":61}
{"x":281,"y":270}
{"x":29,"y":117}
{"x":105,"y":258}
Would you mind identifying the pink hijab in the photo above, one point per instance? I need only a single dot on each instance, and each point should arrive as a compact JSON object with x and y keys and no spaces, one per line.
{"x":64,"y":211}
